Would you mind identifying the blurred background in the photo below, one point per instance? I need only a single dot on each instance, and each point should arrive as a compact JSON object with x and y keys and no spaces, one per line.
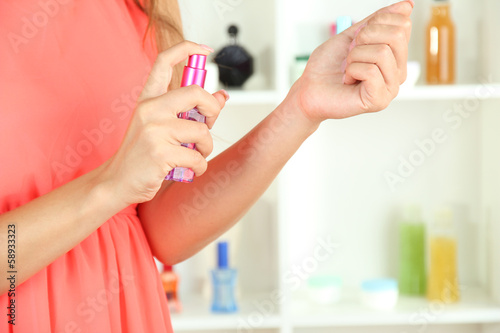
{"x":386,"y":222}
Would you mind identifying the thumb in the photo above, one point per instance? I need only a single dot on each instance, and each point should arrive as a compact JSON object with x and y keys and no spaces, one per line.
{"x":403,"y":8}
{"x":161,"y":74}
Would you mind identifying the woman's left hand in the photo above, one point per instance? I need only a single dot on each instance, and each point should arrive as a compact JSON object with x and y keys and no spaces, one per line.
{"x":359,"y":70}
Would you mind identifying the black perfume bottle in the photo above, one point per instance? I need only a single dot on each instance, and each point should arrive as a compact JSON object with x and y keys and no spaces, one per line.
{"x":234,"y":62}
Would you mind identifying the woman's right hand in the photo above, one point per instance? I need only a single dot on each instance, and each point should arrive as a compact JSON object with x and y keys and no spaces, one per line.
{"x":152,"y":144}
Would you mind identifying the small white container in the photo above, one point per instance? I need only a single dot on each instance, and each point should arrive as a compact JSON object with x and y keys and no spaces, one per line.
{"x":414,"y":70}
{"x":380,"y":294}
{"x":324,"y":289}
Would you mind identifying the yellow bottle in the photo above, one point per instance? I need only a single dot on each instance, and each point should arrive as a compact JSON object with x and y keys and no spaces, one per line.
{"x":441,"y":45}
{"x":443,"y":285}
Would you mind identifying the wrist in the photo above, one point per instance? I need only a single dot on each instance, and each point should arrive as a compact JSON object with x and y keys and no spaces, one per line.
{"x":293,"y":104}
{"x":103,"y":189}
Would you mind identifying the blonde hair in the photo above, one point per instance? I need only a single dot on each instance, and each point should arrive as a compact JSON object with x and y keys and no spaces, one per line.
{"x":165,"y":26}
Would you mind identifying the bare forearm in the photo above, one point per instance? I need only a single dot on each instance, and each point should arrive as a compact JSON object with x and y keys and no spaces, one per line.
{"x":53,"y":224}
{"x":358,"y":71}
{"x":182,"y":219}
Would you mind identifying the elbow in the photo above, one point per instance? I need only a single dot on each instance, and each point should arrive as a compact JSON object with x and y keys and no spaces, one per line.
{"x":174,"y":252}
{"x":169,"y":252}
{"x":169,"y":258}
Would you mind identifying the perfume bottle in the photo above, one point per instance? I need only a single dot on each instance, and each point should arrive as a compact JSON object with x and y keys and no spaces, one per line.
{"x":441,"y":44}
{"x":194,"y":73}
{"x":412,"y":272}
{"x":235,"y":63}
{"x":170,"y":282}
{"x":443,"y":278}
{"x":224,"y":282}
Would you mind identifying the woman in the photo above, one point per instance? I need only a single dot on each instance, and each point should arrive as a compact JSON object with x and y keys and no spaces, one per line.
{"x":88,"y":137}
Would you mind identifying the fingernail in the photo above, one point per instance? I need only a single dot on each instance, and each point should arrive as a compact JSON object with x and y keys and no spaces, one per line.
{"x":412,"y":3}
{"x":226,"y":94}
{"x":206,"y":47}
{"x":343,"y":66}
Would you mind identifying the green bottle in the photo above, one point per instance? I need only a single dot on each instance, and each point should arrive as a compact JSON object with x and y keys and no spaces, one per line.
{"x":412,"y":272}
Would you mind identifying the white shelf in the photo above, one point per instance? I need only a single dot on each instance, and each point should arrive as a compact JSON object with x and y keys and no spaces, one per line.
{"x":476,"y":307}
{"x":196,"y":315}
{"x":353,"y":195}
{"x":253,"y":97}
{"x":447,"y":92}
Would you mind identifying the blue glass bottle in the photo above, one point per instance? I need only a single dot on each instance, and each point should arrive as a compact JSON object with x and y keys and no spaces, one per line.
{"x":224,"y":282}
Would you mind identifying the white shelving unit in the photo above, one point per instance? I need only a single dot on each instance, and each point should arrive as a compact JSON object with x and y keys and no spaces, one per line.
{"x":417,"y":93}
{"x":348,"y":198}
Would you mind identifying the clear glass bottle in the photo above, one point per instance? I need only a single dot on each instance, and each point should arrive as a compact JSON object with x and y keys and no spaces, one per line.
{"x":412,"y":272}
{"x":441,"y":44}
{"x":443,"y":278}
{"x":224,"y":283}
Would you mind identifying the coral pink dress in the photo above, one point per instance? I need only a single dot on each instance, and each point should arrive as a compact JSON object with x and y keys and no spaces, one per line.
{"x":70,"y":71}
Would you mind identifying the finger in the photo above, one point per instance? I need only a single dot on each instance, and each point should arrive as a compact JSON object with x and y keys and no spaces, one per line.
{"x":393,"y":36}
{"x":222,"y":97}
{"x":373,"y":92}
{"x":169,"y":105}
{"x":161,"y":73}
{"x":187,"y":131}
{"x":178,"y":156}
{"x":393,"y":19}
{"x":403,"y":7}
{"x":380,"y":55}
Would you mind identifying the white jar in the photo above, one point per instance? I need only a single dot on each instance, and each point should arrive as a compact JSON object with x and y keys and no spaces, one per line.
{"x":324,"y":289}
{"x":380,"y":294}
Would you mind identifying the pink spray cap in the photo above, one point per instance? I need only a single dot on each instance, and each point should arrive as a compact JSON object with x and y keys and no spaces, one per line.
{"x":194,"y":72}
{"x":197,"y":61}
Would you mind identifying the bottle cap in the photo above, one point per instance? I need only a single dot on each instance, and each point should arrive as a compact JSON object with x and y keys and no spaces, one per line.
{"x":302,"y":58}
{"x":194,"y":72}
{"x":343,"y":23}
{"x":444,"y":218}
{"x":333,"y":29}
{"x":197,"y":61}
{"x":413,"y":213}
{"x":324,"y":281}
{"x":222,"y":255}
{"x":379,"y":285}
{"x":232,"y":30}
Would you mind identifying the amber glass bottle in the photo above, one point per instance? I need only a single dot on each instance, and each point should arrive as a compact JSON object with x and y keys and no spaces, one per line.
{"x":441,"y":44}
